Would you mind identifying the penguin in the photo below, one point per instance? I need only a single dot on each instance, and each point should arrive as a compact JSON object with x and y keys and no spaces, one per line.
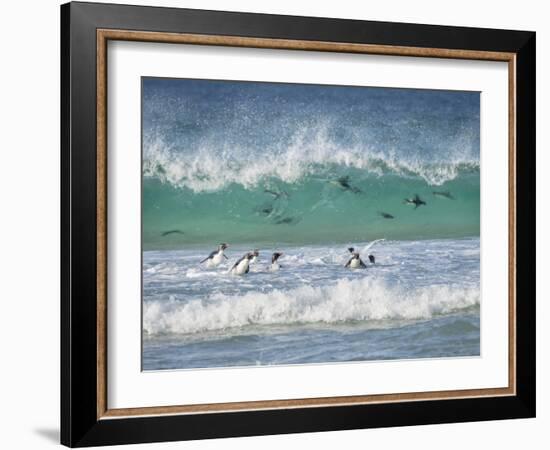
{"x":343,"y":183}
{"x":443,"y":194}
{"x":276,"y":195}
{"x":274,"y":262}
{"x":352,"y":251}
{"x":416,"y":201}
{"x":255,"y":255}
{"x":355,"y":261}
{"x":242,"y":266}
{"x":216,"y":257}
{"x":169,"y":232}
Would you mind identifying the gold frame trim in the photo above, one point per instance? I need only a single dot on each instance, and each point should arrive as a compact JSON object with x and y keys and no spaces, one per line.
{"x":103,"y":36}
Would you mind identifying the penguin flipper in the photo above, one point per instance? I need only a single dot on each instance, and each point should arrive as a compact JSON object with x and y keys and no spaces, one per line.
{"x":210,"y":256}
{"x":237,"y":263}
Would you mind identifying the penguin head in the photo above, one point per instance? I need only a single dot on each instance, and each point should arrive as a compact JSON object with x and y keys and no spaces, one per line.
{"x":276,"y":256}
{"x":371,"y":258}
{"x":223,"y":246}
{"x":351,"y":250}
{"x":256,"y":252}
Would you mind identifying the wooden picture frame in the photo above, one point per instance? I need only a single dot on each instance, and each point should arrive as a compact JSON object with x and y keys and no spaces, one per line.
{"x":86,"y":418}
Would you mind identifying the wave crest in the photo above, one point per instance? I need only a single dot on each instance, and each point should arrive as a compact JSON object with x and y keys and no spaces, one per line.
{"x":212,"y":167}
{"x":348,"y":300}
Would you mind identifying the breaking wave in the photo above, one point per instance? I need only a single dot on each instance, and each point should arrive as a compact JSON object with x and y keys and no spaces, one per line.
{"x":348,"y":300}
{"x":205,"y":169}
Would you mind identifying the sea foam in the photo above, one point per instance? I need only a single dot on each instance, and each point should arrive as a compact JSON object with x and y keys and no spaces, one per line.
{"x":212,"y":167}
{"x":347,"y":300}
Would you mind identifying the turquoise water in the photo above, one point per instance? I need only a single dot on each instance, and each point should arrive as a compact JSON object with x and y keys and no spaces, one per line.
{"x":314,"y":209}
{"x":212,"y":149}
{"x":308,"y":171}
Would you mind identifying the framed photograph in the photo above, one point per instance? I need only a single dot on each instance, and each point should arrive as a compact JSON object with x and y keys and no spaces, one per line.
{"x":276,"y":224}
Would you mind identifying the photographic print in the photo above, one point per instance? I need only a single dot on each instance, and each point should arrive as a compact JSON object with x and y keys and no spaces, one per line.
{"x":292,"y":224}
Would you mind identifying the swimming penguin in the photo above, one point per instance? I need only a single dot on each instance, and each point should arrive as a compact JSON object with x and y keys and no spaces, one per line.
{"x":276,"y":194}
{"x":416,"y":201}
{"x":255,"y":255}
{"x":343,"y":183}
{"x":274,"y":262}
{"x":385,"y":215}
{"x":371,"y":257}
{"x":278,"y":220}
{"x":242,"y":266}
{"x":216,"y":257}
{"x":355,"y":261}
{"x":444,"y":194}
{"x":265,"y":210}
{"x":169,"y":232}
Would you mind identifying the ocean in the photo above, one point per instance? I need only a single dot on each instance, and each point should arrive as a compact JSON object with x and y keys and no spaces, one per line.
{"x":308,"y":171}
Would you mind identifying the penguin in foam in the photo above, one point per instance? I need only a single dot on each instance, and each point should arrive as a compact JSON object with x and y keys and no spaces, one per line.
{"x":372,"y":259}
{"x":355,"y":262}
{"x":275,"y":262}
{"x":255,"y":255}
{"x":242,"y":266}
{"x":216,"y":257}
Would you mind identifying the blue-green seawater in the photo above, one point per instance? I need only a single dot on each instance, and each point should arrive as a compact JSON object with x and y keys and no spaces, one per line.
{"x":308,"y":171}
